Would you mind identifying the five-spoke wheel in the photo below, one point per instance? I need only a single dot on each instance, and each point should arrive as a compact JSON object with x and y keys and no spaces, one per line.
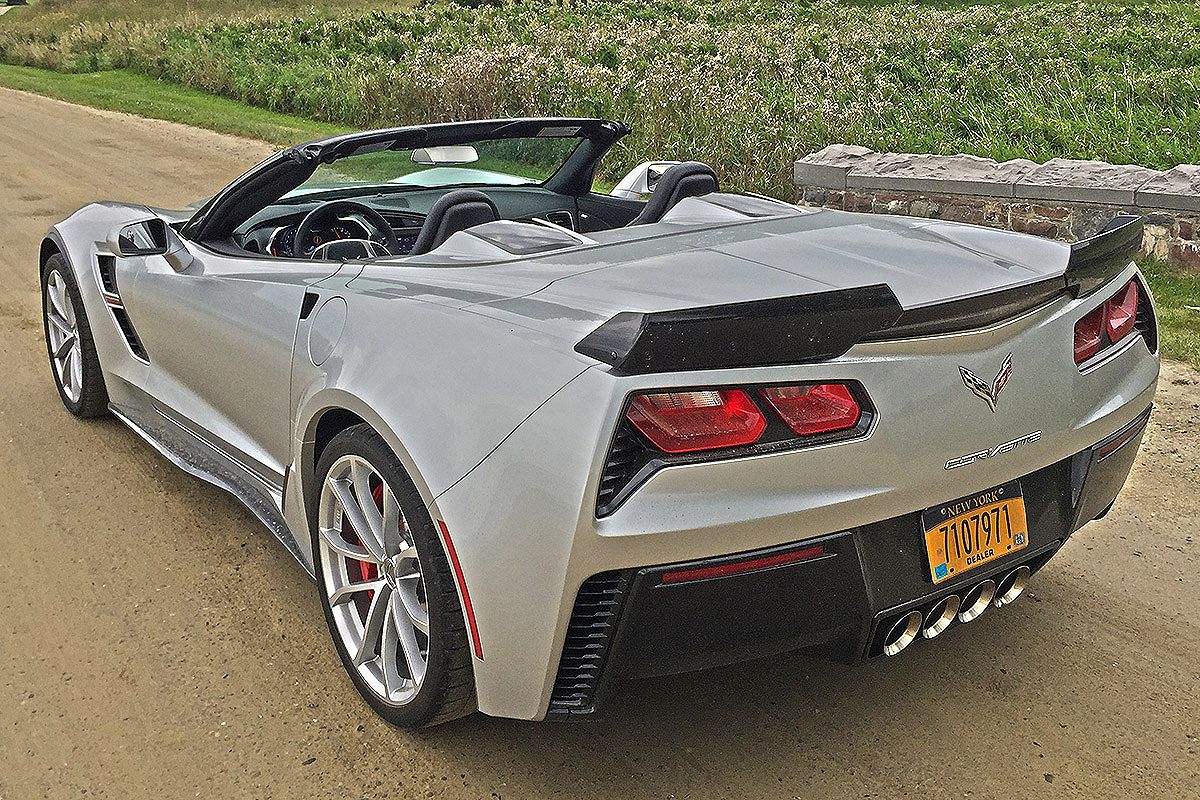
{"x":63,"y":336}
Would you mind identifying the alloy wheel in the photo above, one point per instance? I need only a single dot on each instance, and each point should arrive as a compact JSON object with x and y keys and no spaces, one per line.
{"x":373,"y":581}
{"x":63,"y":328}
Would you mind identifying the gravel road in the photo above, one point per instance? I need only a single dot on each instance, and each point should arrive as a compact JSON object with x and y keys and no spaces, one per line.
{"x":155,"y":642}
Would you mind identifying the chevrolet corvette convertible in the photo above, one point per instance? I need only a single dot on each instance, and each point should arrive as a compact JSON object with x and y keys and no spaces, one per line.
{"x":533,"y":432}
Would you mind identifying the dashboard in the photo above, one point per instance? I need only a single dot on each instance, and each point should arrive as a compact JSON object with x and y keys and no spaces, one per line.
{"x":277,"y":237}
{"x":272,"y":231}
{"x":283,"y":243}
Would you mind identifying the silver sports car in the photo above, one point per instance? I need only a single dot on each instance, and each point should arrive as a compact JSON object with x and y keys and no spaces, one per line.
{"x":532,"y":433}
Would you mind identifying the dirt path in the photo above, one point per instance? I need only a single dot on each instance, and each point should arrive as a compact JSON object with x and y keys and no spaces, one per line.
{"x":156,"y":642}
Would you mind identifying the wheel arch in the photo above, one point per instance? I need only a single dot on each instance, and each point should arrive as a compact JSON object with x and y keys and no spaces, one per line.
{"x":55,"y":244}
{"x":332,"y":412}
{"x":50,"y":247}
{"x":329,"y":424}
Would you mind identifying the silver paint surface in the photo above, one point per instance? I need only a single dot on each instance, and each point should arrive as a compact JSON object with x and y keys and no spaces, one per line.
{"x":466,"y":368}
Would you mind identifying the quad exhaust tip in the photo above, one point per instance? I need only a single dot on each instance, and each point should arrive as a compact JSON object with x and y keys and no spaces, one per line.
{"x":977,"y":600}
{"x":902,"y":633}
{"x":1011,"y":586}
{"x":941,"y":615}
{"x":982,"y":596}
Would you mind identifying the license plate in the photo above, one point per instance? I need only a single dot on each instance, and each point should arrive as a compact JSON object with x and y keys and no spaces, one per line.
{"x":974,"y":530}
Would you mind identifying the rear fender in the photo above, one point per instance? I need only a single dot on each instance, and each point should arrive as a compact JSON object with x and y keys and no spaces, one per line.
{"x":478,"y":383}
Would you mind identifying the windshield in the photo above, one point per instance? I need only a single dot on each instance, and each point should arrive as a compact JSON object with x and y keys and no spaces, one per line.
{"x":490,"y":162}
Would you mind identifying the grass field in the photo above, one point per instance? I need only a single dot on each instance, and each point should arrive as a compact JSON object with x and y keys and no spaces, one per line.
{"x":45,"y":16}
{"x":121,"y":90}
{"x":1177,"y":298}
{"x":742,"y":84}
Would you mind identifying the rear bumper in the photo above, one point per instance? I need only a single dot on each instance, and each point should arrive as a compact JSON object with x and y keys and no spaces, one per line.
{"x":528,"y":534}
{"x":631,"y":623}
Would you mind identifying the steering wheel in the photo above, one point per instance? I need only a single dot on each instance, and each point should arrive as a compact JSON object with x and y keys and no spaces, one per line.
{"x":327,"y":213}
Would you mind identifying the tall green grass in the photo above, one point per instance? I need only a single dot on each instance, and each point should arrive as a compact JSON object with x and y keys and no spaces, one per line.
{"x":743,"y":84}
{"x":1177,"y":301}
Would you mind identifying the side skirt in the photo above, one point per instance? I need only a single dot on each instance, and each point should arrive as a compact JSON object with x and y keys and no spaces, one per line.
{"x":198,"y":457}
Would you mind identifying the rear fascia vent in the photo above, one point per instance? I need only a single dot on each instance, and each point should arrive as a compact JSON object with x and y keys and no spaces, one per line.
{"x":1146,"y":323}
{"x":585,"y":649}
{"x":628,"y":456}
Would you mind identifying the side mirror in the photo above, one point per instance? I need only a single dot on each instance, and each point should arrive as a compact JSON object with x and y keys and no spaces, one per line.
{"x":154,"y":237}
{"x":641,"y":179}
{"x":147,"y":238}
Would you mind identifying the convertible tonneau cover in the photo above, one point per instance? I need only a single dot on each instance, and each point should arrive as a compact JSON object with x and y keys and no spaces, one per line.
{"x":824,"y":325}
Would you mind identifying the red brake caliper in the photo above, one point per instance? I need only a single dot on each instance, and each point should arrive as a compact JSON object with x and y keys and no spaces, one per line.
{"x":366,"y":569}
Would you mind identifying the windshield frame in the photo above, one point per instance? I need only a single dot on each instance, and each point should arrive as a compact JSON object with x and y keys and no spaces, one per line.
{"x":271,"y":180}
{"x":388,"y":185}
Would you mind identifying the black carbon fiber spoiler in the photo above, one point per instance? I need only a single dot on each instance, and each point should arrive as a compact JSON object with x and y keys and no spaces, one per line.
{"x":1097,"y":260}
{"x":760,"y":333}
{"x":803,"y":329}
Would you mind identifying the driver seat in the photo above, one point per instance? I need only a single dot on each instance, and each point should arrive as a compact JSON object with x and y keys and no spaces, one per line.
{"x":689,"y":179}
{"x":453,"y":212}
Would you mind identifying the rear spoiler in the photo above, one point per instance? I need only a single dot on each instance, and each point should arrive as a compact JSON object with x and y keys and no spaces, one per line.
{"x":808,"y":328}
{"x":760,"y":333}
{"x":1096,"y":261}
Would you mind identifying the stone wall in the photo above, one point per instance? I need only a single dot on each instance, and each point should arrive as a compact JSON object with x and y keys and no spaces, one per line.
{"x":1061,"y":199}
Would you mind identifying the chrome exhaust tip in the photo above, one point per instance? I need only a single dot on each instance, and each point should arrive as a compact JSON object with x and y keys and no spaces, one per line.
{"x":941,"y":615}
{"x":1011,"y":586}
{"x":902,"y":633}
{"x":977,"y":600}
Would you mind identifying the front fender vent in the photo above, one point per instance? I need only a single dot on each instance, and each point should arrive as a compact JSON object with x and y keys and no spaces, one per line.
{"x":106,"y":273}
{"x":131,"y":337}
{"x":106,"y":267}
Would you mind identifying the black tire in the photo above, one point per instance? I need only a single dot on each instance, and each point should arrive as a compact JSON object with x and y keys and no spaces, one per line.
{"x":93,"y":396}
{"x":448,"y":689}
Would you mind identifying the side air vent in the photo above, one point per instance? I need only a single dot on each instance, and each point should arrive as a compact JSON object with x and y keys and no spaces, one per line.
{"x":625,"y":459}
{"x":106,"y":271}
{"x":131,"y":337}
{"x":1145,"y":322}
{"x":589,"y":636}
{"x":106,"y":266}
{"x":563,"y":219}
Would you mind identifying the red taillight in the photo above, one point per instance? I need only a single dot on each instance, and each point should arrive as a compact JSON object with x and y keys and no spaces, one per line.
{"x":709,"y":419}
{"x":809,"y":410}
{"x":1120,"y":313}
{"x":1089,"y":335}
{"x":1108,"y":324}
